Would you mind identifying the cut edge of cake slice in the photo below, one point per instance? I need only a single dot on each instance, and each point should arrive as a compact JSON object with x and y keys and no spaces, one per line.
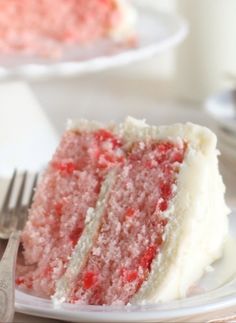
{"x":198,"y":225}
{"x":33,"y":250}
{"x":93,"y":215}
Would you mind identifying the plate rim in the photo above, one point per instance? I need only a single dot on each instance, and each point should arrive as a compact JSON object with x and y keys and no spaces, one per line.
{"x":225,"y":302}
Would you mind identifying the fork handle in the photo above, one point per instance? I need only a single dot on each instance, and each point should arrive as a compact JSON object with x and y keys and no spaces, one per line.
{"x":7,"y":278}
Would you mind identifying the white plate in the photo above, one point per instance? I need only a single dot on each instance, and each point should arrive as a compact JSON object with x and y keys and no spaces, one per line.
{"x":219,"y":293}
{"x":156,"y":32}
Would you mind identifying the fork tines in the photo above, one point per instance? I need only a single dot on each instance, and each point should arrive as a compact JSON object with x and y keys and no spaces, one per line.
{"x":16,"y":193}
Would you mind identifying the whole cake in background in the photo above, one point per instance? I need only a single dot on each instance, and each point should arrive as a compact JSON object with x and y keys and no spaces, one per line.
{"x":125,"y":214}
{"x":41,"y":26}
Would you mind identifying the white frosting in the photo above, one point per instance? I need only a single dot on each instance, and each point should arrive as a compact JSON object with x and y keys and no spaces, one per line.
{"x":125,"y":29}
{"x":198,"y":214}
{"x":198,"y":224}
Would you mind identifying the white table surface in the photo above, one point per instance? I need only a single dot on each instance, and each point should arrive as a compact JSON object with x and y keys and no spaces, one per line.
{"x":106,"y":97}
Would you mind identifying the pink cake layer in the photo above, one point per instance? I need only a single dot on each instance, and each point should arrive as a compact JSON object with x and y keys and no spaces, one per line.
{"x":39,"y":26}
{"x":70,"y":186}
{"x":132,"y":227}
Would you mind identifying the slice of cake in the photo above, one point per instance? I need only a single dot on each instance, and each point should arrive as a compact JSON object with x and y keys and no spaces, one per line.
{"x":40,"y":27}
{"x":128,"y":214}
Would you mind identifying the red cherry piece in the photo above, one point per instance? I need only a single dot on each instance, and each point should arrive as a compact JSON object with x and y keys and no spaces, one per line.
{"x":90,"y":278}
{"x":20,"y":281}
{"x":67,"y":168}
{"x":163,"y":206}
{"x":102,"y":135}
{"x":131,"y":276}
{"x":161,"y":158}
{"x":58,"y":208}
{"x":165,"y":190}
{"x":147,"y":258}
{"x":102,"y":165}
{"x":178,"y":157}
{"x":128,"y":276}
{"x":74,"y":236}
{"x":129,"y":212}
{"x":164,"y":147}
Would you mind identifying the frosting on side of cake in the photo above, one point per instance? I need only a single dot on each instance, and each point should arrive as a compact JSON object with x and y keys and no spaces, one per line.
{"x":195,"y":235}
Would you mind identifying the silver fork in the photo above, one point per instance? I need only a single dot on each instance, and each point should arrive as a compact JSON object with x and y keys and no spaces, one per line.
{"x":12,"y":221}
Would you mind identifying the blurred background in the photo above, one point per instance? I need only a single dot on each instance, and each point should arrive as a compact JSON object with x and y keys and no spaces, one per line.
{"x":173,"y":86}
{"x":202,"y":65}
